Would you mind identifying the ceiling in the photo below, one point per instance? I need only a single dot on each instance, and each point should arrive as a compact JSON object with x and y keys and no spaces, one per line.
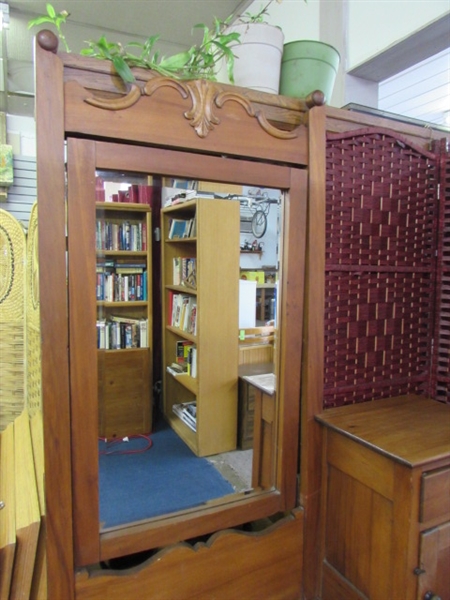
{"x":171,"y":19}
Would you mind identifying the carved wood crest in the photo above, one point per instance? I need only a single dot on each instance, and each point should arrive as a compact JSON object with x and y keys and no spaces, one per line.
{"x":206,"y":98}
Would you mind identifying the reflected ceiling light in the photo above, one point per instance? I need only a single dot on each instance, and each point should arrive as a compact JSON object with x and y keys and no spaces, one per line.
{"x":4,"y":15}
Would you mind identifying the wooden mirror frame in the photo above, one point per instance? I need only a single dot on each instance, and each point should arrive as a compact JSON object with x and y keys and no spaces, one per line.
{"x":78,"y":98}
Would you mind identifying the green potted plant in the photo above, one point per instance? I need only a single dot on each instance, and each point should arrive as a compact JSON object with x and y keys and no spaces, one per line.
{"x":257,"y":52}
{"x":198,"y":62}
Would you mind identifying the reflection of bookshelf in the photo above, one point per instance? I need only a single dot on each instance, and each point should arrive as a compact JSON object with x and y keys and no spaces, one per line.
{"x":123,"y":292}
{"x":213,"y":292}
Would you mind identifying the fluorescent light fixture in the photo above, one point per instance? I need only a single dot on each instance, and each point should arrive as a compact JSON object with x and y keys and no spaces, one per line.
{"x":4,"y":15}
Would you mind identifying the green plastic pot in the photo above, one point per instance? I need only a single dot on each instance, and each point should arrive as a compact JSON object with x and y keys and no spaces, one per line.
{"x":308,"y":66}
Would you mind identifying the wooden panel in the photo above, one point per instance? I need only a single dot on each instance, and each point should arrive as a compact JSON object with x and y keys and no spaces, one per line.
{"x":125,"y":402}
{"x":337,"y":588}
{"x":435,"y":495}
{"x":246,"y":410}
{"x":251,"y":355}
{"x":290,"y":335}
{"x":354,"y":539}
{"x":229,"y":565}
{"x":404,"y":540}
{"x":7,"y":514}
{"x":312,"y":373}
{"x":39,"y":583}
{"x":201,"y":521}
{"x":167,"y":106}
{"x":411,"y":429}
{"x":83,"y":348}
{"x":381,"y":531}
{"x":28,"y":516}
{"x":370,"y":468}
{"x":188,"y":165}
{"x":434,"y":560}
{"x":54,"y":324}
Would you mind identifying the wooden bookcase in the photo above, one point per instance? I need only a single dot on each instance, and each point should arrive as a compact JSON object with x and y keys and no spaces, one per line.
{"x":123,"y":293}
{"x":215,"y":248}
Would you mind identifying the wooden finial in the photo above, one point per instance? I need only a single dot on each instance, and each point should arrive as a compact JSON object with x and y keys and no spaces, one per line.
{"x":47,"y":40}
{"x":316,"y":98}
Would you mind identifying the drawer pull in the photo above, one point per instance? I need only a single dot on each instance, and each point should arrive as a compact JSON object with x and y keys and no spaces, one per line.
{"x":431,"y":596}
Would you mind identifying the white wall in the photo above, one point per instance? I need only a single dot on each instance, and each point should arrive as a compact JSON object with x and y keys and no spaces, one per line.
{"x":21,"y":135}
{"x":358,"y":29}
{"x":374,"y":25}
{"x":297,"y":19}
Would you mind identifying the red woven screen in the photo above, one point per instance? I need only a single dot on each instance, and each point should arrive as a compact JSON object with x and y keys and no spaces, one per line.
{"x":381,"y":223}
{"x":440,"y":383}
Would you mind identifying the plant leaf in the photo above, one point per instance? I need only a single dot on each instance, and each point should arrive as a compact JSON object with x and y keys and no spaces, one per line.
{"x":39,"y":21}
{"x":177,"y":61}
{"x":122,"y":69}
{"x":50,"y":11}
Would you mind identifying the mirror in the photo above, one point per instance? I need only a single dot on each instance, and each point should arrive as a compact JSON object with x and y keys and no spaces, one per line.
{"x":102,"y":379}
{"x":187,"y":278}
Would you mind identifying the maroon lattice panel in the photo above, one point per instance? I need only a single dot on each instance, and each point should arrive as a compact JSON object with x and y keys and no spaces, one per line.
{"x":381,"y":223}
{"x":440,"y":384}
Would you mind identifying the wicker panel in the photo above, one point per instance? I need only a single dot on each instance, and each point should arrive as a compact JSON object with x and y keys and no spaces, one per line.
{"x":440,"y":386}
{"x":12,"y":250}
{"x":33,"y":339}
{"x":381,"y":223}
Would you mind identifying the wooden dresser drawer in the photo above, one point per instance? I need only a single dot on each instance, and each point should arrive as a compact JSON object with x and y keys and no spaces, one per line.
{"x":435,"y":495}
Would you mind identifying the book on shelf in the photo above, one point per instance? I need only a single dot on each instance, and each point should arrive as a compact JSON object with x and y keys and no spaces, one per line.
{"x":175,"y":370}
{"x":145,"y":194}
{"x":118,"y":333}
{"x":120,"y":235}
{"x":182,"y":353}
{"x":118,"y":287}
{"x":182,"y":312}
{"x":186,"y":357}
{"x":113,"y":191}
{"x":176,"y":275}
{"x":120,"y":319}
{"x":192,"y":361}
{"x":182,"y":228}
{"x":192,"y":325}
{"x":177,"y":229}
{"x":130,"y":267}
{"x":184,"y":271}
{"x":187,"y":412}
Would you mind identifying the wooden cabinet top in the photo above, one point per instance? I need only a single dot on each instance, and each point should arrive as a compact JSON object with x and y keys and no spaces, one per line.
{"x":410,"y":429}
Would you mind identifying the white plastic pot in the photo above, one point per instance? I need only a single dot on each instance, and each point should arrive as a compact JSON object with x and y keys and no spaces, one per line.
{"x":258,"y":56}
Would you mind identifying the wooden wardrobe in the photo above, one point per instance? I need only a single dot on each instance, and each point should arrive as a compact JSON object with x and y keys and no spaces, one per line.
{"x":198,"y":130}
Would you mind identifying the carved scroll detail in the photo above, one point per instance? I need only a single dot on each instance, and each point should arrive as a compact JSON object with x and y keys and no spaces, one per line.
{"x":117,"y":103}
{"x":258,"y":114}
{"x":205,"y":98}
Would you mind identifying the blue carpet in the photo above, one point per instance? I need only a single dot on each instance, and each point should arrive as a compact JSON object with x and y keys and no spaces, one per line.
{"x":166,"y":478}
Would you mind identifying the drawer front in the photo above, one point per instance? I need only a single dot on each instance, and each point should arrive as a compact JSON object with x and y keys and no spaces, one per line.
{"x":435,"y":495}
